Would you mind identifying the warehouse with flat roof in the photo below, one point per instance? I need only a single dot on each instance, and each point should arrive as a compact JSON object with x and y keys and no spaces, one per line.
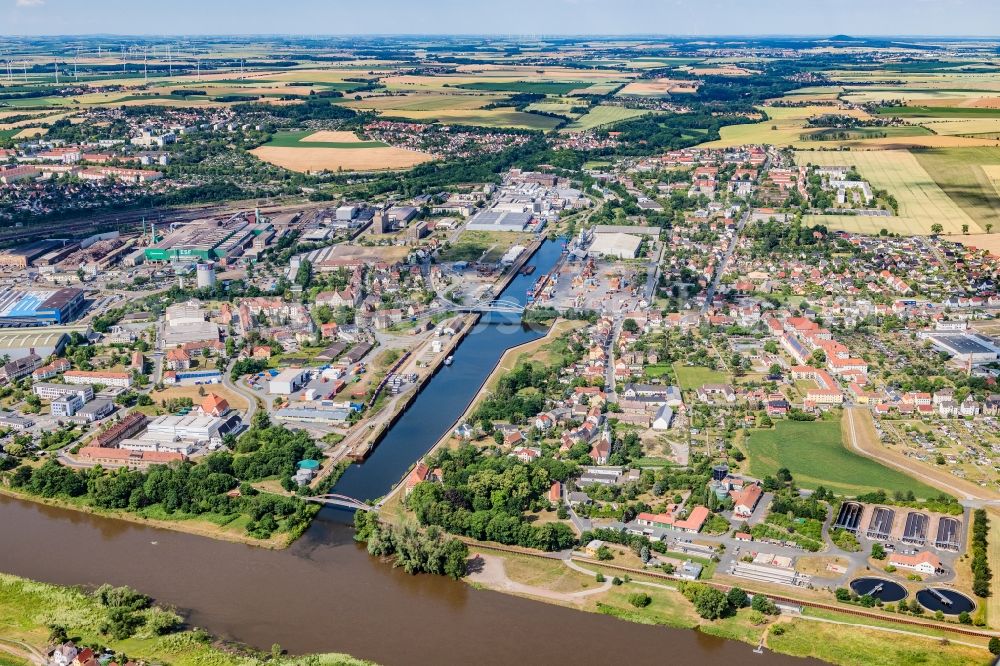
{"x":40,"y":306}
{"x":965,"y":348}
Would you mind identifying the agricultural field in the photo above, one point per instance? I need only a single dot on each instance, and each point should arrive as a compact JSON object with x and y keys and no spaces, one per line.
{"x":602,"y":116}
{"x":321,"y":139}
{"x":536,"y":87}
{"x":922,"y":201}
{"x":816,"y":455}
{"x":390,"y":104}
{"x":658,"y":87}
{"x":335,"y":151}
{"x":784,"y":127}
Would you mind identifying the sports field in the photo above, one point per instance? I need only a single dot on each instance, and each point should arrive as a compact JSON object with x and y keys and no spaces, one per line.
{"x":814,"y":452}
{"x":922,"y":202}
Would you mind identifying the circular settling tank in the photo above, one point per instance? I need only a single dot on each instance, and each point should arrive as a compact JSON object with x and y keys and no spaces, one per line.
{"x":947,"y":601}
{"x":880,"y":588}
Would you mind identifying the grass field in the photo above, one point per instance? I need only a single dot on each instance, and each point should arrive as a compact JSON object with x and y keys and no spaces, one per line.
{"x":815,"y":454}
{"x":938,"y":112}
{"x":922,"y":202}
{"x":691,"y":377}
{"x":601,"y":116}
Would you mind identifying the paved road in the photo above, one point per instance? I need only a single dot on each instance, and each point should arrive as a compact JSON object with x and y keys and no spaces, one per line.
{"x":237,"y":387}
{"x":967,"y":498}
{"x":710,"y":293}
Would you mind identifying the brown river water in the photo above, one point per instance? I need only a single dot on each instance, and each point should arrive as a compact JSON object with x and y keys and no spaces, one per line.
{"x":326,"y":594}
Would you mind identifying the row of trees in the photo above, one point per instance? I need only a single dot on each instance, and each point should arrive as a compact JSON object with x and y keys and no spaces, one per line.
{"x":981,"y":573}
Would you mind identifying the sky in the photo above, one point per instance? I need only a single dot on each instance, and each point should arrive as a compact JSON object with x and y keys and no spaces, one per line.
{"x":503,"y":17}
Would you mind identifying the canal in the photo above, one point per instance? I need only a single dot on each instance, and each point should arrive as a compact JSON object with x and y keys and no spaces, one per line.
{"x":325,"y":593}
{"x":446,"y":396}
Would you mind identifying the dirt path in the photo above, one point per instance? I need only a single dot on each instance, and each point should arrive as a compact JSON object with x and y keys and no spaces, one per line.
{"x":890,"y":630}
{"x":22,"y":650}
{"x":489,"y":571}
{"x":863,"y":440}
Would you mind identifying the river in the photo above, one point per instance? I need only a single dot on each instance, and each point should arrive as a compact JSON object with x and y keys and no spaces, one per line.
{"x":325,"y":594}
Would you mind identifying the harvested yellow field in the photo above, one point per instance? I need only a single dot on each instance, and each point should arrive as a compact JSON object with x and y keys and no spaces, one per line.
{"x":988,"y":242}
{"x":529,"y":73}
{"x":341,"y":159}
{"x":953,"y":126}
{"x":469,"y":100}
{"x":784,"y":127}
{"x":331,"y":136}
{"x":29,"y":132}
{"x":925,"y":141}
{"x":653,"y":87}
{"x":922,"y":202}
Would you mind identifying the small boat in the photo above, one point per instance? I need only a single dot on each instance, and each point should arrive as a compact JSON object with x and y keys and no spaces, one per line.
{"x":448,"y":360}
{"x":528,"y":270}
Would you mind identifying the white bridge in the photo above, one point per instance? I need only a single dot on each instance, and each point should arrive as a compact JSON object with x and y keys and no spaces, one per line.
{"x":500,"y":305}
{"x":343,"y":501}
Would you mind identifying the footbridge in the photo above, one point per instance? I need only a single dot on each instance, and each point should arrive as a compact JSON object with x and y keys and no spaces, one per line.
{"x":333,"y":499}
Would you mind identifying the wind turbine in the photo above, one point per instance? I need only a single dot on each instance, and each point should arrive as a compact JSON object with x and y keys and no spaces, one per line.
{"x":145,"y":69}
{"x":24,"y":65}
{"x":124,"y":68}
{"x":55,"y":65}
{"x":170,"y":62}
{"x":75,"y":58}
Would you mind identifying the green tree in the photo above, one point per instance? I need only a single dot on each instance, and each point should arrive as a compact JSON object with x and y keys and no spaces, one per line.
{"x":711,"y":603}
{"x":878,"y":551}
{"x":994,"y":645}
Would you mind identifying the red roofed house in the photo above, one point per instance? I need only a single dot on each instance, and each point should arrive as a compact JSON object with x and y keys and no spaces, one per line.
{"x":214,"y":405}
{"x":745,"y":500}
{"x":925,"y":562}
{"x":421,"y":473}
{"x":693,"y":523}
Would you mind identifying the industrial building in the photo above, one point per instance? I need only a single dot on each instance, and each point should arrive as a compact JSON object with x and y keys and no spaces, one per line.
{"x":25,"y":255}
{"x":622,"y":246}
{"x":287,"y":381}
{"x":207,"y":240}
{"x":965,"y":348}
{"x":21,"y":342}
{"x":185,"y":323}
{"x":19,"y":307}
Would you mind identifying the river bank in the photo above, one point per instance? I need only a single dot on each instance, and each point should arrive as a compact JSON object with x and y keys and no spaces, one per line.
{"x":29,"y":609}
{"x":188,"y":525}
{"x":832,"y":636}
